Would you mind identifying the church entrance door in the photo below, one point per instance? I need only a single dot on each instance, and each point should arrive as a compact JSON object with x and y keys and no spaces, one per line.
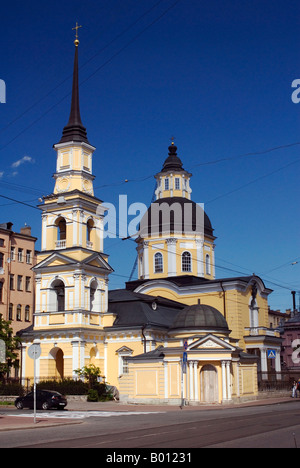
{"x":209,"y":384}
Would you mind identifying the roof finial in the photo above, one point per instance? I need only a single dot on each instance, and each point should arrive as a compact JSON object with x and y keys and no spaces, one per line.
{"x":76,"y":42}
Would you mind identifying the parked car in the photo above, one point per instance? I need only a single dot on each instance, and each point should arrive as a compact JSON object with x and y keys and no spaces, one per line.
{"x":45,"y":399}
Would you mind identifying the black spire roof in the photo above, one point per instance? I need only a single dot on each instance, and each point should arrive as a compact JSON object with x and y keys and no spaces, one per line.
{"x":172,"y":163}
{"x":74,"y":130}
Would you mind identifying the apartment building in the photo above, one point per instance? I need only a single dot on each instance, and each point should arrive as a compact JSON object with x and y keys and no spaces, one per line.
{"x":17,"y":257}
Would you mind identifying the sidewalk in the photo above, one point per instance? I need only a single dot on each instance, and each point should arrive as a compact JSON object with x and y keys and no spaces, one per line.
{"x":14,"y":422}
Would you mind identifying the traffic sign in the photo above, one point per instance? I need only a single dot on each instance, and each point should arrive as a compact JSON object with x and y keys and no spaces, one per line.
{"x":184,"y":357}
{"x":35,"y":351}
{"x":271,"y":353}
{"x":185,"y":345}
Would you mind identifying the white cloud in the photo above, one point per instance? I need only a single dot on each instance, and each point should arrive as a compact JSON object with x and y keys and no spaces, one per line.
{"x":1,"y":174}
{"x":23,"y":160}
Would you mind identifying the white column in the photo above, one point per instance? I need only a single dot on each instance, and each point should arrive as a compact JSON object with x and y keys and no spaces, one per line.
{"x":76,"y":277}
{"x":224,"y":388}
{"x":82,"y":354}
{"x":238,"y":379}
{"x":196,"y":381}
{"x":75,"y":226}
{"x":191,"y":380}
{"x":171,"y":243}
{"x":263,"y":362}
{"x":146,"y":259}
{"x":213,"y":261}
{"x":200,"y":259}
{"x":38,"y":293}
{"x":44,"y":231}
{"x":278,"y":364}
{"x":228,"y":380}
{"x":75,"y":357}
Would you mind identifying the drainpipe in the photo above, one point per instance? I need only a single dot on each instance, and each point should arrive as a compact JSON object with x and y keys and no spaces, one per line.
{"x":145,"y":341}
{"x":224,"y":300}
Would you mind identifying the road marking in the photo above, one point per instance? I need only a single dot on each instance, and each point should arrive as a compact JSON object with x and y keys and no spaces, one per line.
{"x":83,"y":414}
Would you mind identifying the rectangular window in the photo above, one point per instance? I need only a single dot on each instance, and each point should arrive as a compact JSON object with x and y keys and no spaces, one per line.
{"x":20,"y":255}
{"x":1,"y":242}
{"x":28,"y":284}
{"x":10,"y":312}
{"x":167,"y":185}
{"x":177,"y":183}
{"x":125,"y":369}
{"x":20,"y":283}
{"x":1,"y":292}
{"x":28,"y":256}
{"x":1,"y":260}
{"x":12,"y":254}
{"x":12,"y":282}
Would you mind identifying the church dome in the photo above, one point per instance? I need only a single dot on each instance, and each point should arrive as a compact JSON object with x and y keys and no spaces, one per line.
{"x":173,"y":215}
{"x":200,"y":316}
{"x":173,"y":162}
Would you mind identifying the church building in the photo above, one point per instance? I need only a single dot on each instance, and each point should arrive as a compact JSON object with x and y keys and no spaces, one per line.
{"x":176,"y":333}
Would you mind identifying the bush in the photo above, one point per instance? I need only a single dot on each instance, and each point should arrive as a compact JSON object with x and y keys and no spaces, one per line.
{"x":64,"y":386}
{"x":11,"y":389}
{"x":92,"y":395}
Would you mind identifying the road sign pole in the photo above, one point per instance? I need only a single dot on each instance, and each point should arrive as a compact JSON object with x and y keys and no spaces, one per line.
{"x":34,"y":352}
{"x":34,"y":390}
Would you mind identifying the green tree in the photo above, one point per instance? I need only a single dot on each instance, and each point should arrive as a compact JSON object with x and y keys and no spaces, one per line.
{"x":90,"y":373}
{"x":12,"y":344}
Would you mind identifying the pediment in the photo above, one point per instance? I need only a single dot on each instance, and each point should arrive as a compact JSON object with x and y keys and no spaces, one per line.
{"x":56,"y":260}
{"x":210,"y":342}
{"x":97,"y":261}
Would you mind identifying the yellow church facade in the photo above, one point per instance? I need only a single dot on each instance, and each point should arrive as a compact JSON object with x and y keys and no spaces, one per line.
{"x":176,"y":333}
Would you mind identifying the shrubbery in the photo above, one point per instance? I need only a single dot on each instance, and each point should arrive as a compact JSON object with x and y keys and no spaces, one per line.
{"x":11,"y":389}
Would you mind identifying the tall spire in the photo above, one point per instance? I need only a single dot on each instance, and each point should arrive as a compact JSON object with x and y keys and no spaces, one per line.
{"x":74,"y":130}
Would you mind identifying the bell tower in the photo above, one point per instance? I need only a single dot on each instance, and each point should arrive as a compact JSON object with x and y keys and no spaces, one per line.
{"x":72,"y":270}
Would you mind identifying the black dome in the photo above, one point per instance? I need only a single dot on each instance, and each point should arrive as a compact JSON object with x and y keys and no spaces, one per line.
{"x":200,"y":316}
{"x":172,"y":163}
{"x":175,"y":214}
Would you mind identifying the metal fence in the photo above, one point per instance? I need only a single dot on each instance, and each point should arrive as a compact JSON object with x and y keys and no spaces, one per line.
{"x":277,"y":382}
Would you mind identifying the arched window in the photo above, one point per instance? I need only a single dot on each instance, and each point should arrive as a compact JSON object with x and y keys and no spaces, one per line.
{"x":27,"y":313}
{"x":158,"y":263}
{"x":89,"y":228}
{"x":186,"y":261}
{"x":58,"y":289}
{"x":10,"y":312}
{"x":207,"y":264}
{"x":62,"y":229}
{"x":61,"y":233}
{"x":19,"y":312}
{"x":93,"y":289}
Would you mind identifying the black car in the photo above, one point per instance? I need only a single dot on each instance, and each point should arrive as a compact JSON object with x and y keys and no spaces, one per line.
{"x":45,"y":399}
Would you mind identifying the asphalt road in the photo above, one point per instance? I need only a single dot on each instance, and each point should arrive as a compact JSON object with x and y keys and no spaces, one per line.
{"x":270,"y":426}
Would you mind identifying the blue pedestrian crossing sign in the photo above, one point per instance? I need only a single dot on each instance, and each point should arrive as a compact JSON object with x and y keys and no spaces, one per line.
{"x":271,"y":354}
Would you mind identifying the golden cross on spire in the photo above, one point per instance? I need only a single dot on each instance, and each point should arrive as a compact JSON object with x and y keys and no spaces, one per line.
{"x":76,"y":42}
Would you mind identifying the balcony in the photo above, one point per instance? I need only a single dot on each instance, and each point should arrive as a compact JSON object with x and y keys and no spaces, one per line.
{"x":261,"y":331}
{"x":61,"y":244}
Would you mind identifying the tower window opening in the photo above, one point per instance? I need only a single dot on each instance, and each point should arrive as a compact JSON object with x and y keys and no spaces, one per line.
{"x":207,"y":264}
{"x":158,"y":263}
{"x":186,"y":262}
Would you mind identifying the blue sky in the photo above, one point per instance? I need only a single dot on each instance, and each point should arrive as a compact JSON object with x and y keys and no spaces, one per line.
{"x":215,"y":75}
